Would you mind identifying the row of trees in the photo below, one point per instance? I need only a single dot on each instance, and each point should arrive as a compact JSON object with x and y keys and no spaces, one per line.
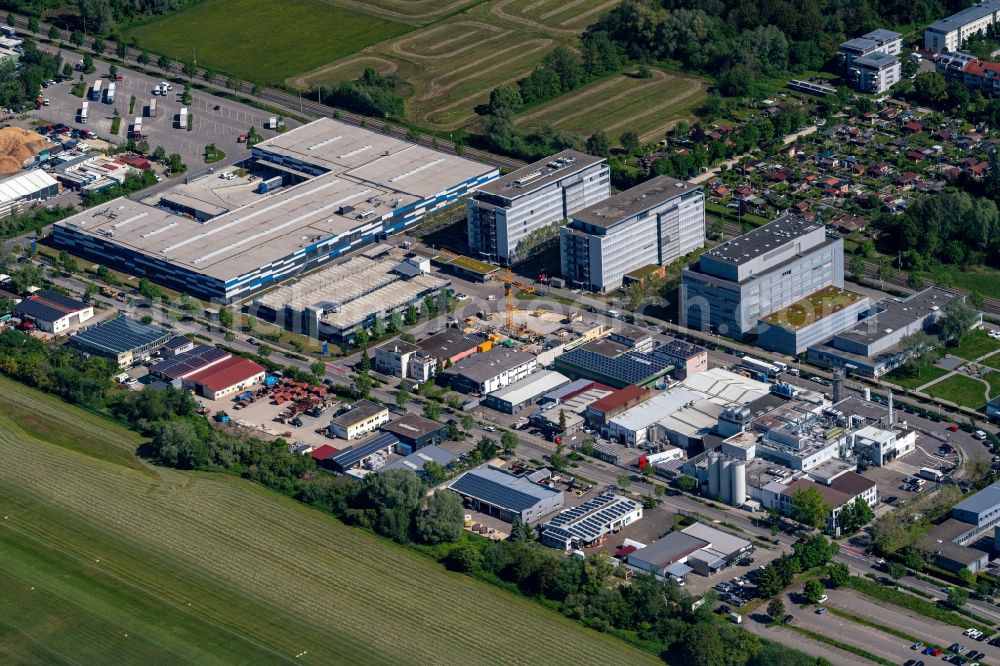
{"x":646,"y":610}
{"x":371,"y":94}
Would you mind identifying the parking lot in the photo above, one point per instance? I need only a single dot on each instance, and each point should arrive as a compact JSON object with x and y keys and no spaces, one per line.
{"x":215,"y":120}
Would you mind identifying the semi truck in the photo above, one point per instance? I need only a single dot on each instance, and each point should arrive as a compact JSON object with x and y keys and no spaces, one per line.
{"x":109,"y":94}
{"x":763,"y":367}
{"x":83,"y":111}
{"x":182,"y":118}
{"x":137,"y":128}
{"x":95,"y":90}
{"x":152,"y":107}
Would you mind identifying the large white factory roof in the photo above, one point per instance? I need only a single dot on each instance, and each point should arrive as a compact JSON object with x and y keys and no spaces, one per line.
{"x":724,"y":387}
{"x":369,"y":176}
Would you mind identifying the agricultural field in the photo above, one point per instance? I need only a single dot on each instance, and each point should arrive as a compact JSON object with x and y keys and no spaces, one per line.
{"x":622,"y":102}
{"x":264,"y":41}
{"x":105,"y":559}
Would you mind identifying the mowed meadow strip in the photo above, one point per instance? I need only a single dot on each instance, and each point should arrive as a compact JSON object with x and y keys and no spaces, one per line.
{"x":101,"y":562}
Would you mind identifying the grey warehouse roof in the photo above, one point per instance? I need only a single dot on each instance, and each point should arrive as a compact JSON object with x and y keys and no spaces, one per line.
{"x":539,"y":174}
{"x":415,"y":461}
{"x":984,"y":500}
{"x":763,"y":239}
{"x":896,"y":315}
{"x":530,"y":387}
{"x":486,"y":365}
{"x":412,"y":426}
{"x":633,"y":201}
{"x":362,"y":409}
{"x":121,"y":335}
{"x":501,"y":489}
{"x":967,"y":15}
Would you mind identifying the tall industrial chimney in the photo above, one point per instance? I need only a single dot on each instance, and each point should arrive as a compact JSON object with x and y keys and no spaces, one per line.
{"x":838,"y":383}
{"x":892,"y":415}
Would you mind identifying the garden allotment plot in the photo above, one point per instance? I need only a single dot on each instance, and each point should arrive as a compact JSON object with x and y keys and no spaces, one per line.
{"x":106,"y":560}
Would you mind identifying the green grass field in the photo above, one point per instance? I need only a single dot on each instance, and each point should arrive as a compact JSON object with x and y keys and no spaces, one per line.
{"x":976,"y":344}
{"x":911,"y":380}
{"x":960,"y":390}
{"x":261,"y":40}
{"x":106,"y":560}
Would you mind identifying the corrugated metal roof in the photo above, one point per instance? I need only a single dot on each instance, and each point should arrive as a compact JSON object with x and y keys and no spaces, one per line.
{"x":530,"y":387}
{"x":226,"y":373}
{"x":25,"y":184}
{"x":984,"y":500}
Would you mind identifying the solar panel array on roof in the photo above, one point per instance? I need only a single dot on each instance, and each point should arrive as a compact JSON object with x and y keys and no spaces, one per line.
{"x":350,"y":457}
{"x":120,"y":335}
{"x":500,"y":489}
{"x":48,"y":306}
{"x":178,"y":367}
{"x":591,"y":519}
{"x":629,"y":368}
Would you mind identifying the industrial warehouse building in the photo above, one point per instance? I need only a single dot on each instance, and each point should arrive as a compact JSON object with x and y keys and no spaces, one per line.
{"x":489,"y":371}
{"x":505,"y":212}
{"x":25,"y":189}
{"x":335,"y":302}
{"x":699,"y":548}
{"x":364,"y":417}
{"x":225,"y":378}
{"x":415,"y":432}
{"x":53,"y":312}
{"x":345,"y":187}
{"x":734,"y":285}
{"x":505,"y":495}
{"x":589,"y":523}
{"x":121,"y":339}
{"x":525,"y":392}
{"x":656,"y":222}
{"x":613,"y":364}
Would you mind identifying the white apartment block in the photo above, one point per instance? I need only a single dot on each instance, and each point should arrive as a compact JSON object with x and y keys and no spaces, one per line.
{"x":950,"y":33}
{"x":503,"y":213}
{"x":656,"y":222}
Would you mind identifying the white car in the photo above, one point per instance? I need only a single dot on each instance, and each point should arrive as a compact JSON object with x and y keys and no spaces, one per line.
{"x":823,"y":599}
{"x":164,"y":86}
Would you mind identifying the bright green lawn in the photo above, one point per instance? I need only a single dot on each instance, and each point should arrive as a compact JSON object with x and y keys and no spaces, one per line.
{"x":960,"y":390}
{"x":263,"y":40}
{"x":105,"y":563}
{"x":976,"y":344}
{"x":911,"y":380}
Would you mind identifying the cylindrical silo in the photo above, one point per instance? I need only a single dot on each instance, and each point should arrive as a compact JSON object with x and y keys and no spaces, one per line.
{"x":725,"y":481}
{"x":738,"y":471}
{"x":713,"y":475}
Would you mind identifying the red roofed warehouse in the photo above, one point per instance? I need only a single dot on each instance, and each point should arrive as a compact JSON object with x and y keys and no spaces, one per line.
{"x":225,"y":378}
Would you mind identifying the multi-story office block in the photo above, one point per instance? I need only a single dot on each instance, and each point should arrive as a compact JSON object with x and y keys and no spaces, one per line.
{"x":877,"y":41}
{"x":502,"y":214}
{"x":950,"y":33}
{"x":656,"y":222}
{"x":737,"y":283}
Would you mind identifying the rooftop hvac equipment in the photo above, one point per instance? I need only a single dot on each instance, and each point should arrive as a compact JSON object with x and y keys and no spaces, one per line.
{"x":526,"y":179}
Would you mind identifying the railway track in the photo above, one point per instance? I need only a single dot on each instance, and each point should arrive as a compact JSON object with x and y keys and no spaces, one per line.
{"x":283,"y":100}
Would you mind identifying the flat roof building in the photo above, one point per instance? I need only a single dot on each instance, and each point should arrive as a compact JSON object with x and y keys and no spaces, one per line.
{"x":950,"y":33}
{"x":699,"y":548}
{"x":686,"y":357}
{"x":502,"y":214}
{"x":524,"y":393}
{"x":656,"y":222}
{"x":53,"y":312}
{"x":735,"y":284}
{"x":362,"y":418}
{"x":489,"y":371}
{"x":870,"y":63}
{"x":872,"y":346}
{"x":450,"y":345}
{"x":505,"y":495}
{"x":811,"y":320}
{"x":122,"y":339}
{"x":414,"y":432}
{"x":417,"y":461}
{"x":372,"y":455}
{"x":613,"y":364}
{"x":601,"y":411}
{"x":346,"y":187}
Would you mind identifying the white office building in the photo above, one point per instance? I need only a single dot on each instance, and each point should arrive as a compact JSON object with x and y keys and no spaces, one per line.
{"x":950,"y":33}
{"x":736,"y":284}
{"x":881,"y":41}
{"x":502,"y":214}
{"x":656,"y":222}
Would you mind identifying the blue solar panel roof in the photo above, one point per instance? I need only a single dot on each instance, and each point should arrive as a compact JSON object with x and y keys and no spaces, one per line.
{"x":501,"y":489}
{"x":350,"y":457}
{"x":631,"y":367}
{"x":120,"y":335}
{"x":186,"y":363}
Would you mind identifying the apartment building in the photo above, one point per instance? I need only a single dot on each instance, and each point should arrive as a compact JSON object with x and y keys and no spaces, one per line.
{"x":737,"y":283}
{"x":874,"y":73}
{"x":502,"y":214}
{"x":656,"y":222}
{"x":881,"y":41}
{"x":950,"y":33}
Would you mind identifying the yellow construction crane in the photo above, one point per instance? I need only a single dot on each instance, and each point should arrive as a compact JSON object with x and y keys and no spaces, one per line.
{"x":510,"y":283}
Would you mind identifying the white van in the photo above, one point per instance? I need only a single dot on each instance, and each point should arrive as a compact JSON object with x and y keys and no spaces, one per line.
{"x":781,"y":366}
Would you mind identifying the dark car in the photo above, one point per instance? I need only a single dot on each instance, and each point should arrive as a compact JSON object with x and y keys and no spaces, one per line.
{"x":788,"y":618}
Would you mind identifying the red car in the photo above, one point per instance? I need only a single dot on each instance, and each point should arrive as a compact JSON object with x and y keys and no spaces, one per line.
{"x":953,"y":428}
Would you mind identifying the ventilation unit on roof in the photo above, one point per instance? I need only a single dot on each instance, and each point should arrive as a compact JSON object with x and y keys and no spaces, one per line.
{"x":526,"y":179}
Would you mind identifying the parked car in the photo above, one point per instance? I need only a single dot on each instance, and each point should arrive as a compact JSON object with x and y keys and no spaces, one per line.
{"x":820,"y":610}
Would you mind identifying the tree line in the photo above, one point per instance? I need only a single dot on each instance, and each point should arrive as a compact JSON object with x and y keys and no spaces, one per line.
{"x":21,"y":80}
